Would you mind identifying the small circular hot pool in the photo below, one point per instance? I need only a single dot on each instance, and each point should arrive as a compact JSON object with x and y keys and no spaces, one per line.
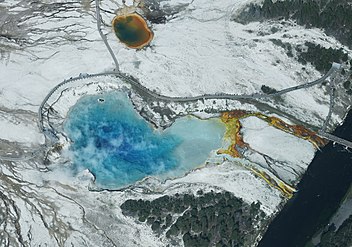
{"x":132,"y":30}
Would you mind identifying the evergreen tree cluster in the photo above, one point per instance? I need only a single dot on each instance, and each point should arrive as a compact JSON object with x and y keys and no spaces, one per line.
{"x":268,"y":90}
{"x":207,"y":219}
{"x":340,"y":238}
{"x":322,"y":57}
{"x":332,"y":15}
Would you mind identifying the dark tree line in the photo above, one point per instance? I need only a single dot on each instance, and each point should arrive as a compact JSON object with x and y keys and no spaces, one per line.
{"x":341,"y":237}
{"x":334,"y":16}
{"x":208,"y":219}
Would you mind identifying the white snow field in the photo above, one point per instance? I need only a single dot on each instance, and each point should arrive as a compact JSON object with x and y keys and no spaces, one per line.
{"x":198,"y":50}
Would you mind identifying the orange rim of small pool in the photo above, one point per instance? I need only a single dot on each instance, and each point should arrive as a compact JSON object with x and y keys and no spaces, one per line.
{"x":132,"y":30}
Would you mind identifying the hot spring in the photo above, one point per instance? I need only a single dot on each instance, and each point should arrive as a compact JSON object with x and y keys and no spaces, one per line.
{"x":132,"y":30}
{"x":119,"y":147}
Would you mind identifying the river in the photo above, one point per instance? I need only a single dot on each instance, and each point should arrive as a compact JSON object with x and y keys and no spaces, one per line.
{"x":321,"y":190}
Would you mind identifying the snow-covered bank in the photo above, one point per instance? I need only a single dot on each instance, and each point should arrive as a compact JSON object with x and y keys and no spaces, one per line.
{"x":197,"y":50}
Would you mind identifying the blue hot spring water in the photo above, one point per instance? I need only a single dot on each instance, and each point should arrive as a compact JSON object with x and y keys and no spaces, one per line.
{"x":119,"y":147}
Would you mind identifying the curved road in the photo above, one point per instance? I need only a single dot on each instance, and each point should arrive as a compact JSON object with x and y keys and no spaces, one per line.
{"x":133,"y":82}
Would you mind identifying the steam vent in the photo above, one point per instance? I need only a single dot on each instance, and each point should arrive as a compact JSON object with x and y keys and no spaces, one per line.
{"x":132,"y":30}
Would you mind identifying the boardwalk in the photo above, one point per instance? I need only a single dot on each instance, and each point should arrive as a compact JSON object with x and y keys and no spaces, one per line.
{"x":335,"y":139}
{"x":45,"y":107}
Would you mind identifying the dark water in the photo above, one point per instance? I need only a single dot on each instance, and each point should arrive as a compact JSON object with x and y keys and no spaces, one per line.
{"x":320,"y":192}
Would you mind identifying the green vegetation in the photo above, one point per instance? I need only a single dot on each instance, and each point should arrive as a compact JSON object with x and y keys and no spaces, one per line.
{"x":322,"y":57}
{"x":207,"y":219}
{"x":334,"y":15}
{"x":340,"y":238}
{"x":267,"y":89}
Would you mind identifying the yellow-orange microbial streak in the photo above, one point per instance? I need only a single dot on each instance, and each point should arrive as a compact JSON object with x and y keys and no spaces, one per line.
{"x":233,"y":127}
{"x":296,"y":130}
{"x":285,"y":189}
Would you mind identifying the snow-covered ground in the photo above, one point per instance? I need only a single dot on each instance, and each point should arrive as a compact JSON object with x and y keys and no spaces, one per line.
{"x":198,"y":50}
{"x":284,"y":154}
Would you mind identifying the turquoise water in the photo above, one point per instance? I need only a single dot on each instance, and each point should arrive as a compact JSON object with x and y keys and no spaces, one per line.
{"x":119,"y":147}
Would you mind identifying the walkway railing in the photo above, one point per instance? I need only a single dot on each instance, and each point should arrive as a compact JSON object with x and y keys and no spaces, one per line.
{"x":44,"y":107}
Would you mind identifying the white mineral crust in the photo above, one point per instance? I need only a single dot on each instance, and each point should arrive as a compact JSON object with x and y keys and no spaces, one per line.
{"x":199,"y":50}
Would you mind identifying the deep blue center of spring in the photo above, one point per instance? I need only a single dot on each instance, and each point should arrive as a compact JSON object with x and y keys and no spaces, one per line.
{"x":119,"y":147}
